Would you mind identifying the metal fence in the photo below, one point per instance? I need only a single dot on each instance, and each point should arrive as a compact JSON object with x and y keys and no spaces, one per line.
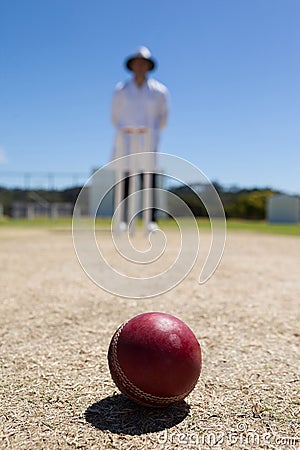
{"x":31,"y":210}
{"x":42,"y":180}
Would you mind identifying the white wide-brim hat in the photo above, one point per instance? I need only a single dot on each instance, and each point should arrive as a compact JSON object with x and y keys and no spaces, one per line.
{"x":143,"y":53}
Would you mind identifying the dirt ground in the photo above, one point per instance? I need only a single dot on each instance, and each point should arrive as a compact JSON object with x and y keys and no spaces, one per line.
{"x":56,"y":325}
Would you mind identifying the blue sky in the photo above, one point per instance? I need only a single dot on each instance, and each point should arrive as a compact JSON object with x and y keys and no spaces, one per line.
{"x":232,"y":68}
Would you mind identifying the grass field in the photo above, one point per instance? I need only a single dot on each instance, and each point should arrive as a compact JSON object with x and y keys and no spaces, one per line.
{"x":56,"y":324}
{"x":232,"y":225}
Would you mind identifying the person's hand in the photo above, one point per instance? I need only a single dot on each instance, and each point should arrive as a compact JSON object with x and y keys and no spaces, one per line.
{"x":128,"y":130}
{"x":142,"y":130}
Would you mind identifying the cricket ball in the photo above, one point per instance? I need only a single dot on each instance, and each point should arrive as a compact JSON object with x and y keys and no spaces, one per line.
{"x":155,"y":359}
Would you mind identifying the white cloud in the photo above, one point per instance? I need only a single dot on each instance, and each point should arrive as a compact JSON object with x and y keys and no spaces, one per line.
{"x":3,"y":158}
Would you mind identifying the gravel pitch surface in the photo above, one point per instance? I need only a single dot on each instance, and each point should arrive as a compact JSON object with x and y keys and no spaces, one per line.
{"x":56,"y":325}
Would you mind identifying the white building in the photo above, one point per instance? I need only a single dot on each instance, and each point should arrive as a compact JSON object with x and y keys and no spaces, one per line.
{"x":283,"y":209}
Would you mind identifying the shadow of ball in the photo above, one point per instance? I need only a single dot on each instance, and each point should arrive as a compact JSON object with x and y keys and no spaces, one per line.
{"x":118,"y":414}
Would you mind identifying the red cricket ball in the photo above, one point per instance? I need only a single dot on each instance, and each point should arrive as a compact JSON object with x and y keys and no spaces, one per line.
{"x":155,"y":359}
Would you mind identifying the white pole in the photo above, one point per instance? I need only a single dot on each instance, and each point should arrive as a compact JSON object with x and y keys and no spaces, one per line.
{"x":132,"y":203}
{"x":119,"y":185}
{"x":144,"y":162}
{"x":148,"y":174}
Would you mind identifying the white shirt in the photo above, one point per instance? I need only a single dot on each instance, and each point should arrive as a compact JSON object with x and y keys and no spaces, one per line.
{"x":136,"y":106}
{"x":140,"y":106}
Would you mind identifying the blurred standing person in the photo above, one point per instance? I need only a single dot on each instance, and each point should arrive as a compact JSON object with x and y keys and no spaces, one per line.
{"x":140,"y":105}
